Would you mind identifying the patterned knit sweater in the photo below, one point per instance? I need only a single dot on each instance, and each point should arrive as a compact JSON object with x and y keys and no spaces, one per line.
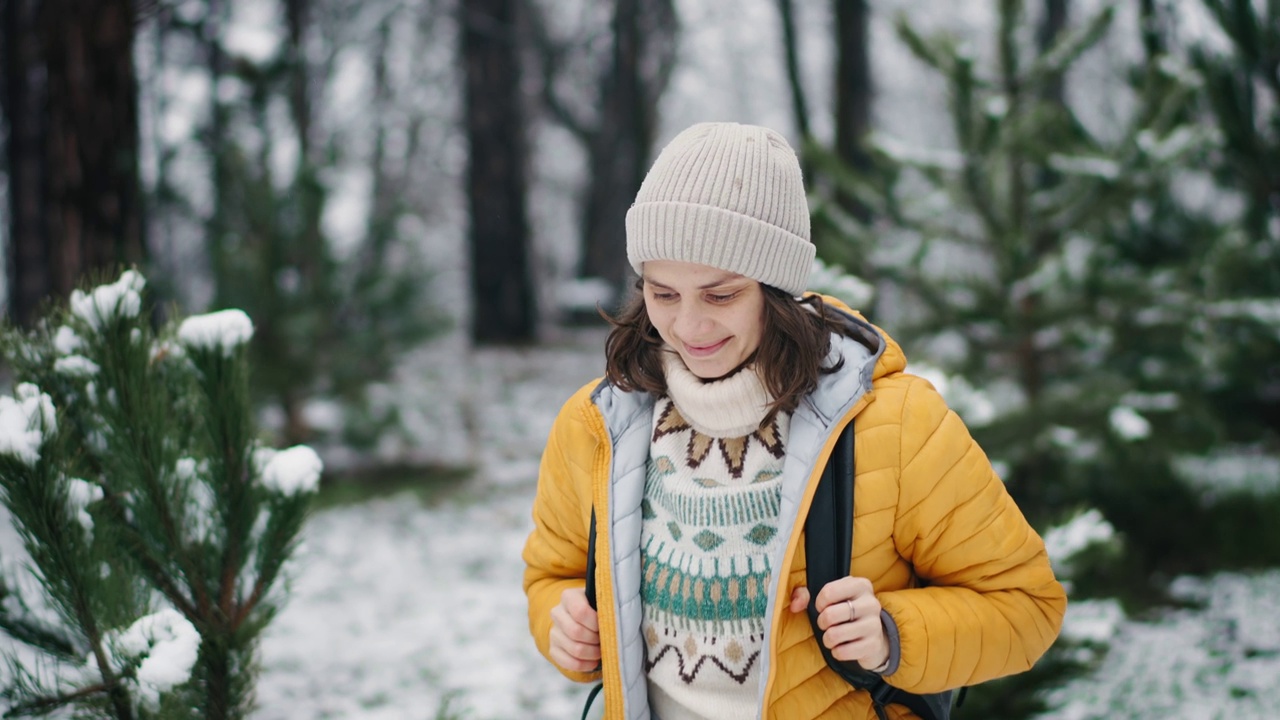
{"x":710,"y":528}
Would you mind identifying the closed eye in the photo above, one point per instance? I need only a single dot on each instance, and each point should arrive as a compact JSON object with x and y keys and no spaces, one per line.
{"x":722,"y":298}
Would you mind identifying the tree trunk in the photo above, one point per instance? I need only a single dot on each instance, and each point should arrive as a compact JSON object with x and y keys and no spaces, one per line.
{"x":30,"y":274}
{"x":853,"y":92}
{"x":501,"y":284}
{"x":618,"y":152}
{"x":93,"y":213}
{"x":308,"y":249}
{"x":619,"y":148}
{"x":799,"y":100}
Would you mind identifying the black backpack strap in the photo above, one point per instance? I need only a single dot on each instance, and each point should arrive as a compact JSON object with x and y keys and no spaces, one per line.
{"x":828,"y":549}
{"x":591,"y":600}
{"x":591,"y":562}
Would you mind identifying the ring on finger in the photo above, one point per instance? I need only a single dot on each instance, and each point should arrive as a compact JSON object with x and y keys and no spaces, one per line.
{"x":852,"y":613}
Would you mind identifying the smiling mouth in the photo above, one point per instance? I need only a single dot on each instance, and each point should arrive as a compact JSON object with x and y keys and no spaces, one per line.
{"x":704,"y":350}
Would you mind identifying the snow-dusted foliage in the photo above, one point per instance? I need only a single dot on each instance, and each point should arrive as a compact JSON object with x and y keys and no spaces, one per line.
{"x":26,"y":420}
{"x":221,"y":331}
{"x":164,"y":646}
{"x":292,"y":471}
{"x":831,"y":280}
{"x":139,"y":442}
{"x":1083,"y":530}
{"x":105,"y":303}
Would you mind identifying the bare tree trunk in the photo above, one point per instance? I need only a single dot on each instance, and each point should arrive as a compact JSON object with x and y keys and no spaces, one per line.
{"x":71,"y":101}
{"x":307,"y":251}
{"x":854,"y":92}
{"x":620,"y":146}
{"x":502,"y":294}
{"x":94,"y":209}
{"x":619,"y":138}
{"x":30,"y":274}
{"x":799,"y":100}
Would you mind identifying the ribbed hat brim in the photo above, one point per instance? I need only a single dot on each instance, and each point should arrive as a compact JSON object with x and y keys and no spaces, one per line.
{"x":738,"y":243}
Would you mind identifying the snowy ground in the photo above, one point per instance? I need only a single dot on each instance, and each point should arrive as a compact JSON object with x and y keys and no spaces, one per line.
{"x":402,"y":608}
{"x":399,"y":606}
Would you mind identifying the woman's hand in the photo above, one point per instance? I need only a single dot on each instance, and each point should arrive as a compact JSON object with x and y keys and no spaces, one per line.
{"x":575,"y":632}
{"x":849,"y":615}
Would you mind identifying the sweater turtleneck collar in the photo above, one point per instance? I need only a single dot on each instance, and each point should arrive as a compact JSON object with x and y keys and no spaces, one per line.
{"x":730,"y":407}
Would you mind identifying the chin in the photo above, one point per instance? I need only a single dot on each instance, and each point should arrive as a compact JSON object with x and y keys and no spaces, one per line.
{"x":709,"y":369}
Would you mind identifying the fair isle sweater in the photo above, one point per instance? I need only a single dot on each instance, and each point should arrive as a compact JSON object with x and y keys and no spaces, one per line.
{"x":710,"y":518}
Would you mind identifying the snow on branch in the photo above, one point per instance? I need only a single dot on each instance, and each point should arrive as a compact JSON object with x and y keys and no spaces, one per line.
{"x":25,"y":421}
{"x":169,"y":646}
{"x":224,"y":330}
{"x":292,"y":471}
{"x":120,"y":299}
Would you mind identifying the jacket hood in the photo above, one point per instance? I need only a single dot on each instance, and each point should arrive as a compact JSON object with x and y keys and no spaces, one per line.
{"x":892,"y":360}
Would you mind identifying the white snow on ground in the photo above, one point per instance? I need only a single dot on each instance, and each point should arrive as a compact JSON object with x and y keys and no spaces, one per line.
{"x":399,"y":607}
{"x":1220,"y":662}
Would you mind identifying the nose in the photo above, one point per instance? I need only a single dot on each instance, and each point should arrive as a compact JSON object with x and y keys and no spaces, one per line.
{"x":691,"y":321}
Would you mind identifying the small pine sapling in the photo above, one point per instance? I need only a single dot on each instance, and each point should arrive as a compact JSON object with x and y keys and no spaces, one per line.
{"x":155,"y":526}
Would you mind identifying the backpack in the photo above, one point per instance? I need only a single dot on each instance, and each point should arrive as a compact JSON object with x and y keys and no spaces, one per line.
{"x":828,"y":548}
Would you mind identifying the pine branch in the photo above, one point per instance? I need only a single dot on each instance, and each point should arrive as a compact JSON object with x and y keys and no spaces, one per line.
{"x":30,"y":631}
{"x":39,"y":635}
{"x":46,"y":705}
{"x":154,"y":567}
{"x":1059,"y":58}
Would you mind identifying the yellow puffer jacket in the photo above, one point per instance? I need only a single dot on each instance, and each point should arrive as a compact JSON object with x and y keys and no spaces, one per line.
{"x":951,"y":558}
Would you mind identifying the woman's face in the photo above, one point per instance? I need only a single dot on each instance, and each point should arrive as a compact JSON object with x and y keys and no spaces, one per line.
{"x":712,"y":317}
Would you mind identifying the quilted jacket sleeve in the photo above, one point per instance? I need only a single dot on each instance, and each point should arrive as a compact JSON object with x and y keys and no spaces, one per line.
{"x":990,"y":605}
{"x":555,"y":553}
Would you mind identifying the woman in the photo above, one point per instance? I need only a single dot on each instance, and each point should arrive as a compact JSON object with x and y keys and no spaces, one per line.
{"x":698,"y":454}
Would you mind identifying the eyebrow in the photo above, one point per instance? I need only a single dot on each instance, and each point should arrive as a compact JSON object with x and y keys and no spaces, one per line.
{"x":724,"y":280}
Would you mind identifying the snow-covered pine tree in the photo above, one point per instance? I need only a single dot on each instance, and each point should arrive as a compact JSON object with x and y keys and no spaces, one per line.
{"x":1242,"y":95}
{"x":154,"y":524}
{"x":1192,"y":276}
{"x":988,"y":254}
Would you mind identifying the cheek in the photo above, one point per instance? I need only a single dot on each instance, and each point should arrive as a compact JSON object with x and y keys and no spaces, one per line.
{"x":658,"y":319}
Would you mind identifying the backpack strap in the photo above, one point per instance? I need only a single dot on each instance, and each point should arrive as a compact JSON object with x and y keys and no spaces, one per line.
{"x":828,"y":548}
{"x":591,"y":600}
{"x":591,"y":562}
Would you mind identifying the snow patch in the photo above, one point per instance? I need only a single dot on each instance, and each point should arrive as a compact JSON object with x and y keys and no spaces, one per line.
{"x":1230,"y":470}
{"x":834,"y":281}
{"x":583,"y":294}
{"x":293,"y":471}
{"x":120,"y":299}
{"x":1083,"y":530}
{"x":77,"y":366}
{"x":25,"y":421}
{"x":169,"y":645}
{"x":80,"y":495}
{"x":66,"y":341}
{"x":1128,"y":424}
{"x":1095,"y":621}
{"x":224,"y":330}
{"x":907,"y":154}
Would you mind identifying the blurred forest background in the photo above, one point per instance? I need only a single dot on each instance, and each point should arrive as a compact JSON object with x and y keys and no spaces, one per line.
{"x":1069,"y":210}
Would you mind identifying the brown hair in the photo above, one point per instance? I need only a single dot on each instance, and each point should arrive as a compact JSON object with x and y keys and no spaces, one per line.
{"x":794,"y":344}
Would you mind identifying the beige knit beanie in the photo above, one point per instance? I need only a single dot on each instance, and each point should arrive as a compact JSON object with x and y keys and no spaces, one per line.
{"x":729,"y":196}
